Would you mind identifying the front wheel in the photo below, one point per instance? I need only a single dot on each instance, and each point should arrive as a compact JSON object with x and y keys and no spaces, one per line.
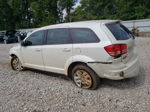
{"x":84,"y":77}
{"x":16,"y":64}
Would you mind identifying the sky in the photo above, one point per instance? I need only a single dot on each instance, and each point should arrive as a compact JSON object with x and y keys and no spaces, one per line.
{"x":77,"y":4}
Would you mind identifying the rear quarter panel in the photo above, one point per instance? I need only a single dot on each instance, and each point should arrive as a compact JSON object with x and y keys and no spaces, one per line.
{"x":94,"y":51}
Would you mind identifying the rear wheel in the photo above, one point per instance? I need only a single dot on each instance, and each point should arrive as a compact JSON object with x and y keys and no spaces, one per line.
{"x":16,"y":64}
{"x":84,"y":77}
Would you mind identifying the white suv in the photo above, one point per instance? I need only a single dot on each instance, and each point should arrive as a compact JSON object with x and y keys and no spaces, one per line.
{"x":85,"y":51}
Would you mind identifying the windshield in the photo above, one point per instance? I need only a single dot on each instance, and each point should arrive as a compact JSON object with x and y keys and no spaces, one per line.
{"x":119,"y":31}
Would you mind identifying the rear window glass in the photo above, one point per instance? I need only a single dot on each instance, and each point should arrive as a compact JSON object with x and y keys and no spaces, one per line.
{"x":119,"y":31}
{"x":83,"y":35}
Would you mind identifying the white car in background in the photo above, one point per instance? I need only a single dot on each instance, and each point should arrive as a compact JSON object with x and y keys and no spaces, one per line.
{"x":85,"y":51}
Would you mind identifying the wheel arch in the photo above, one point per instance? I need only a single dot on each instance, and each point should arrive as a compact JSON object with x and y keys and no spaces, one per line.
{"x":13,"y":55}
{"x":72,"y":65}
{"x":18,"y":56}
{"x":77,"y":59}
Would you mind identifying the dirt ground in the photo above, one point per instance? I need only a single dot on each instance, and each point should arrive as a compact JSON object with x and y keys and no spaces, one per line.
{"x":35,"y":91}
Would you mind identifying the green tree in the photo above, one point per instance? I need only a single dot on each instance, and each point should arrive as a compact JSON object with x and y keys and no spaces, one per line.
{"x":21,"y":13}
{"x":6,"y":14}
{"x":66,"y":5}
{"x":44,"y":12}
{"x":112,"y":9}
{"x":36,"y":13}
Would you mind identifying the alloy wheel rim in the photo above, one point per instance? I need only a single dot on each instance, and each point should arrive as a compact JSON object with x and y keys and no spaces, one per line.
{"x":82,"y":79}
{"x":16,"y":64}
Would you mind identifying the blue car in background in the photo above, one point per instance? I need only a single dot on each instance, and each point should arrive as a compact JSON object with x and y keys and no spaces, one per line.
{"x":2,"y":33}
{"x":10,"y":36}
{"x":13,"y":36}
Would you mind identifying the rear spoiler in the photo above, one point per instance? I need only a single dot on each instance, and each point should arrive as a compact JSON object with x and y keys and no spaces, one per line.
{"x":113,"y":21}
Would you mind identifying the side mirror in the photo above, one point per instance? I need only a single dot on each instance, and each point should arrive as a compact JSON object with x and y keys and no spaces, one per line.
{"x":26,"y":43}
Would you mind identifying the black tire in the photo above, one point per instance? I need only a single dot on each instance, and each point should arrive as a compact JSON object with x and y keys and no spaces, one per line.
{"x":12,"y":65}
{"x":95,"y":79}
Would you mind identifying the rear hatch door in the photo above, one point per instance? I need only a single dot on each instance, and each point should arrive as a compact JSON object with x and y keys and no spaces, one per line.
{"x":121,"y":35}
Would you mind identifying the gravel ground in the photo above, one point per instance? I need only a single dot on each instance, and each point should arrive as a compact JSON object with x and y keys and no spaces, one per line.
{"x":35,"y":91}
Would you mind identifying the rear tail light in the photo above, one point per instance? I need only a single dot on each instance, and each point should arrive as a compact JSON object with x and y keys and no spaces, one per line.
{"x":116,"y":50}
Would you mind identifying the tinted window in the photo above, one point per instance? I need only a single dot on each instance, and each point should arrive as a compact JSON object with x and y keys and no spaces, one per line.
{"x":58,"y":36}
{"x":36,"y":38}
{"x":119,"y":31}
{"x":83,"y":35}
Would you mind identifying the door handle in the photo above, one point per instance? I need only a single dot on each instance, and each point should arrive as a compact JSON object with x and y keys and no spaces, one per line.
{"x":66,"y":50}
{"x":37,"y":50}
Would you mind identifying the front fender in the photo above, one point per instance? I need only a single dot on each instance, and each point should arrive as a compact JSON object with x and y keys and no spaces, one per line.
{"x":17,"y":52}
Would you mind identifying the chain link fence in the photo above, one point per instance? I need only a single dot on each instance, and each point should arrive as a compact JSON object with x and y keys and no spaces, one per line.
{"x":141,"y":27}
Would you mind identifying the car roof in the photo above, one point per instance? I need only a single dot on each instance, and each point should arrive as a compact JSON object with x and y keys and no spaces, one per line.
{"x":80,"y":23}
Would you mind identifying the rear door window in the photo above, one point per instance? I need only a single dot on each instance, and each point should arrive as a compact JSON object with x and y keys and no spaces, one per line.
{"x":58,"y":36}
{"x":119,"y":31}
{"x":83,"y":35}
